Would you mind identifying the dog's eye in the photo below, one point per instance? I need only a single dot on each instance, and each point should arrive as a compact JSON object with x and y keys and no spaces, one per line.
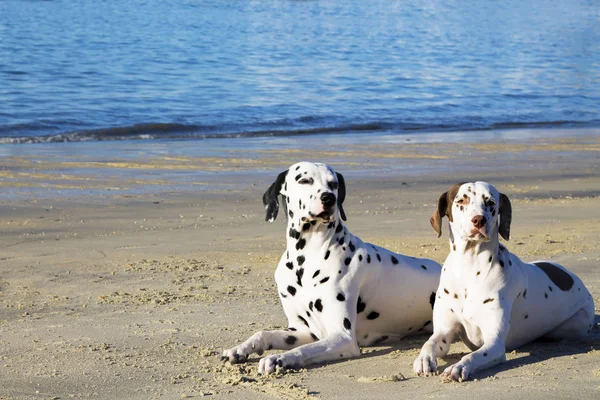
{"x":332,"y":185}
{"x":306,"y":181}
{"x":490,"y":202}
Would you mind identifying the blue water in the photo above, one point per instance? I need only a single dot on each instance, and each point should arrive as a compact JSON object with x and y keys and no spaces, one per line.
{"x":74,"y":70}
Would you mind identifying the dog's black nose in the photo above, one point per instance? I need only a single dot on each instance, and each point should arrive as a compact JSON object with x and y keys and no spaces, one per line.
{"x":479,"y":221}
{"x":328,"y":199}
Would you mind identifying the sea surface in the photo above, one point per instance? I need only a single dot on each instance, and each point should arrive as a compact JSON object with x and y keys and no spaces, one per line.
{"x":83,"y":70}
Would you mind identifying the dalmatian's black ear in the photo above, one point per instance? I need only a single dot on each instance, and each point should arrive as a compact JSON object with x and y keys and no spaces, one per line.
{"x":341,"y":195}
{"x":505,"y":214}
{"x":444,"y":208}
{"x":271,"y":197}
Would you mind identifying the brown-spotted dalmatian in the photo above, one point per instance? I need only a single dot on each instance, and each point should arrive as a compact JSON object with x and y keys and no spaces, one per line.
{"x":490,"y":298}
{"x":338,"y":292}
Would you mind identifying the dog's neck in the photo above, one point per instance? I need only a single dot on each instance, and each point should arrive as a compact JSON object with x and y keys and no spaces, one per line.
{"x":301,"y":235}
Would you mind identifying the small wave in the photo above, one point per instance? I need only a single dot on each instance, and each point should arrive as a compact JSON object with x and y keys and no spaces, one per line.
{"x":150,"y":131}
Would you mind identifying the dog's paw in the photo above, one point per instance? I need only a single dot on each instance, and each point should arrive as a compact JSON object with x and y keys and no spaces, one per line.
{"x":425,"y":365}
{"x":457,"y":373}
{"x":236,"y":355}
{"x":270,"y":364}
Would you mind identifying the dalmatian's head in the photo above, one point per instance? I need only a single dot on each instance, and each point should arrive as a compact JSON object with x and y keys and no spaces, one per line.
{"x":311,"y":193}
{"x":476,"y":211}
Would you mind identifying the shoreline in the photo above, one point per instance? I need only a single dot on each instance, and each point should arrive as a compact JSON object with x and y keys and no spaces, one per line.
{"x":108,"y":169}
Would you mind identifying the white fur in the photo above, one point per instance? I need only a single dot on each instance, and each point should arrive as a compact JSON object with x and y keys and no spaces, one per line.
{"x":490,"y":306}
{"x":325,"y":318}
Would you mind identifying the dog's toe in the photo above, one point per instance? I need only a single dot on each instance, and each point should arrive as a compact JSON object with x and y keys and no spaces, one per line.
{"x":269,"y":365}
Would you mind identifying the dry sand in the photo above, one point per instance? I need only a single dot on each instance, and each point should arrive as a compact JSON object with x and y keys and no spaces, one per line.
{"x":132,"y":293}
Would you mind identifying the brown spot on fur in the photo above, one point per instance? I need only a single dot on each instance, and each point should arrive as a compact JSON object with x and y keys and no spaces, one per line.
{"x":488,"y":300}
{"x":558,"y":276}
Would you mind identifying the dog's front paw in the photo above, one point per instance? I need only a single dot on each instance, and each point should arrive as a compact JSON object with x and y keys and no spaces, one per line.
{"x":270,"y":364}
{"x":239,"y":354}
{"x":425,"y":365}
{"x":458,"y":372}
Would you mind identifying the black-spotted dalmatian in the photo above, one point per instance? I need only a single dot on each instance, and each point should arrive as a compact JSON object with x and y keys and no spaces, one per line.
{"x":490,"y":298}
{"x":338,"y":293}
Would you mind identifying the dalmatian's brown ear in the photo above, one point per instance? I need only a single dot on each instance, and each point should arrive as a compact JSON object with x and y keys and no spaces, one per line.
{"x":505,"y":214}
{"x":271,"y":197}
{"x":444,"y":208}
{"x":341,"y":195}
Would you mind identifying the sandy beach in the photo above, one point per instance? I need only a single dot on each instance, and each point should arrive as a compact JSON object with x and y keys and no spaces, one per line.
{"x":124,"y":272}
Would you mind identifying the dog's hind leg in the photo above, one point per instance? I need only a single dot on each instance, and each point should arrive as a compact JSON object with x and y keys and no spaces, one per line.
{"x":267,"y":340}
{"x":577,"y":326}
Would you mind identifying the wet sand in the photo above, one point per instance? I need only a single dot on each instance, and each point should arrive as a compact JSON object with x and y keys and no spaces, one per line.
{"x":125,"y":275}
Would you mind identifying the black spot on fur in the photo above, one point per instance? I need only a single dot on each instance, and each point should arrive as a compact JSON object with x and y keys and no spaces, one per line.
{"x":347,"y":323}
{"x":300,"y":260}
{"x":394,"y":260}
{"x":426,"y":323}
{"x":424,"y":267}
{"x":331,"y":225}
{"x":360,"y":257}
{"x":373,"y":315}
{"x":297,"y":177}
{"x":306,"y":226}
{"x":339,"y":228}
{"x":347,"y":261}
{"x":368,"y":259}
{"x":525,"y":293}
{"x":432,"y":299}
{"x":526,"y":316}
{"x":290,"y":265}
{"x":294,"y":233}
{"x":550,"y":287}
{"x":351,"y":246}
{"x":291,"y":213}
{"x":283,"y":295}
{"x":319,"y":305}
{"x":546,"y":295}
{"x":488,"y":300}
{"x":327,"y":254}
{"x":378,"y":257}
{"x":558,"y":276}
{"x":491,"y":258}
{"x":303,"y":320}
{"x":307,"y":313}
{"x":341,"y":241}
{"x":360,"y":306}
{"x":341,"y":297}
{"x":299,"y":274}
{"x":310,"y":305}
{"x":444,"y":341}
{"x":290,"y":340}
{"x":485,"y":354}
{"x":291,"y":329}
{"x":291,"y":290}
{"x":317,"y":272}
{"x":501,"y":263}
{"x":312,"y":335}
{"x":324,"y":279}
{"x":300,"y":244}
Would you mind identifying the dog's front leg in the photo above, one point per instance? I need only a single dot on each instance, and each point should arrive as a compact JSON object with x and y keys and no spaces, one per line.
{"x":436,"y":347}
{"x":336,"y":346}
{"x":267,"y":340}
{"x":494,"y":325}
